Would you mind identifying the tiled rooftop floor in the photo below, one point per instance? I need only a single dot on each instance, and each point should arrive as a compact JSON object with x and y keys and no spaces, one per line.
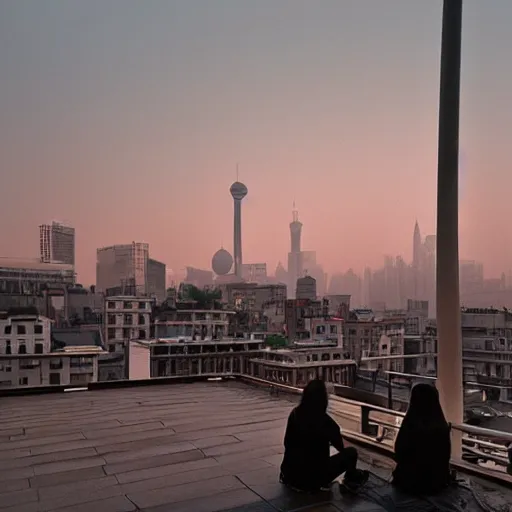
{"x":201,"y":447}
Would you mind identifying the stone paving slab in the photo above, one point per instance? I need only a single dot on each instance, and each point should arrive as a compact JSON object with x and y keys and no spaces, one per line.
{"x":203,"y":447}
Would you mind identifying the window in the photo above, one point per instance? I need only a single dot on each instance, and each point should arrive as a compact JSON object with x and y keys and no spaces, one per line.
{"x":8,"y":349}
{"x":334,"y":329}
{"x":127,"y":333}
{"x":54,"y":379}
{"x":29,"y":364}
{"x":22,"y":349}
{"x":80,"y":362}
{"x":128,"y":319}
{"x":142,"y":305}
{"x":142,"y":320}
{"x":56,"y":364}
{"x":111,"y":348}
{"x":111,"y":333}
{"x":142,"y":334}
{"x":38,"y":329}
{"x":111,"y":319}
{"x":8,"y":329}
{"x":127,"y":305}
{"x":111,"y":304}
{"x":38,"y":348}
{"x":21,"y":329}
{"x":5,"y":368}
{"x":23,"y":381}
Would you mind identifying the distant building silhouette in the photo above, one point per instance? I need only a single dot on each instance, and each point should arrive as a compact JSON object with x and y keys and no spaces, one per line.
{"x":57,"y":243}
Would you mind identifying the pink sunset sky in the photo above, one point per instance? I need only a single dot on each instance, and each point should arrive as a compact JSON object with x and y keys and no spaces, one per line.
{"x":126,"y":119}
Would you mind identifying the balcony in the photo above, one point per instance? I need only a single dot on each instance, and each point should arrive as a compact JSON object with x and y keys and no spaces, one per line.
{"x":198,"y":447}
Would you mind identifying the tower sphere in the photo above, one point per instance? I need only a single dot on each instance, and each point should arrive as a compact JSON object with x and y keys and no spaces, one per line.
{"x":222,"y":262}
{"x":238,"y":190}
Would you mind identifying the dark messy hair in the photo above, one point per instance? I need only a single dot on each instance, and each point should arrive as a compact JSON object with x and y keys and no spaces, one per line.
{"x":425,"y":407}
{"x":314,"y":397}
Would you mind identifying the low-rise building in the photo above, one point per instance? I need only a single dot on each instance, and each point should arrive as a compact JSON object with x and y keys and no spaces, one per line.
{"x":258,"y":307}
{"x":249,"y":357}
{"x":126,"y":318}
{"x":328,"y":329}
{"x":27,"y":357}
{"x":183,"y":321}
{"x":298,"y":315}
{"x":368,"y":336}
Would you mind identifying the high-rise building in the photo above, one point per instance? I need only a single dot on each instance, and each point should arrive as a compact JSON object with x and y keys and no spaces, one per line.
{"x":295,"y":266}
{"x":417,"y":257}
{"x":124,"y":266}
{"x":295,"y":231}
{"x":198,"y":277}
{"x":156,"y":280}
{"x":348,"y":284}
{"x":238,"y":192}
{"x":57,"y":243}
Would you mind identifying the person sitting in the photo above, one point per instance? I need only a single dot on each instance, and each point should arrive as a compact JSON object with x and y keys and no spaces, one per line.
{"x":423,"y":446}
{"x":307,"y":464}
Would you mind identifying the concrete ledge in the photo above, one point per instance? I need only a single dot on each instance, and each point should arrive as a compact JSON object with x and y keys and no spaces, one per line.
{"x":156,"y":381}
{"x":34,"y":390}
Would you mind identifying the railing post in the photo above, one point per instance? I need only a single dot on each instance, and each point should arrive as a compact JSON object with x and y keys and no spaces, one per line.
{"x":390,"y":392}
{"x":449,"y":367}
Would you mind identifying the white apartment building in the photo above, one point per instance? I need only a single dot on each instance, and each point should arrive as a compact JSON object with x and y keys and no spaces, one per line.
{"x":57,"y":243}
{"x":26,"y":357}
{"x":126,"y":318}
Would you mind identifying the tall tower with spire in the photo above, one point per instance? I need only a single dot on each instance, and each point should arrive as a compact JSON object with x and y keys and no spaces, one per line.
{"x":238,"y":192}
{"x":416,"y":246}
{"x":295,"y":230}
{"x":295,"y":255}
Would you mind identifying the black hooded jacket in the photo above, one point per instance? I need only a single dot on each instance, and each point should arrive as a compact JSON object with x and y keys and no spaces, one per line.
{"x":307,"y":443}
{"x":422,"y":455}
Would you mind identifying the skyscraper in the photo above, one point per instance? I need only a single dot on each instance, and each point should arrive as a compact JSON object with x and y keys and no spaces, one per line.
{"x":295,"y":231}
{"x":417,"y":257}
{"x":57,"y":243}
{"x":124,"y":266}
{"x":238,"y":192}
{"x":295,"y":254}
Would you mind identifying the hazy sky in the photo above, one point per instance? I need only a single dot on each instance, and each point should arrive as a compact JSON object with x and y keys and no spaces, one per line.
{"x":125,"y":118}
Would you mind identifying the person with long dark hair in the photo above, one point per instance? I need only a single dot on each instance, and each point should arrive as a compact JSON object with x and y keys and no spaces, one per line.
{"x":310,"y":432}
{"x":423,"y":446}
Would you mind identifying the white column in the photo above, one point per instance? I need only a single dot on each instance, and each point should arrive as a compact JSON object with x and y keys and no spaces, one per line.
{"x":449,"y":362}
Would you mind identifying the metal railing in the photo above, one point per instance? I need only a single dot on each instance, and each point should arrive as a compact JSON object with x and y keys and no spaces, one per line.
{"x":377,"y":426}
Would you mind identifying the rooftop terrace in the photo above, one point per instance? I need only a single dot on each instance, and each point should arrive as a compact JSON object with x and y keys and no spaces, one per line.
{"x":199,"y":447}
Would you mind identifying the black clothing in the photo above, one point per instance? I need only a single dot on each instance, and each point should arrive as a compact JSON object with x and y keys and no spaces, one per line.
{"x":422,"y":454}
{"x":307,"y":463}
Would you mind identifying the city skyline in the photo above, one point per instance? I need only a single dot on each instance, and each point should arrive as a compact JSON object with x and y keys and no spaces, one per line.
{"x":298,"y":108}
